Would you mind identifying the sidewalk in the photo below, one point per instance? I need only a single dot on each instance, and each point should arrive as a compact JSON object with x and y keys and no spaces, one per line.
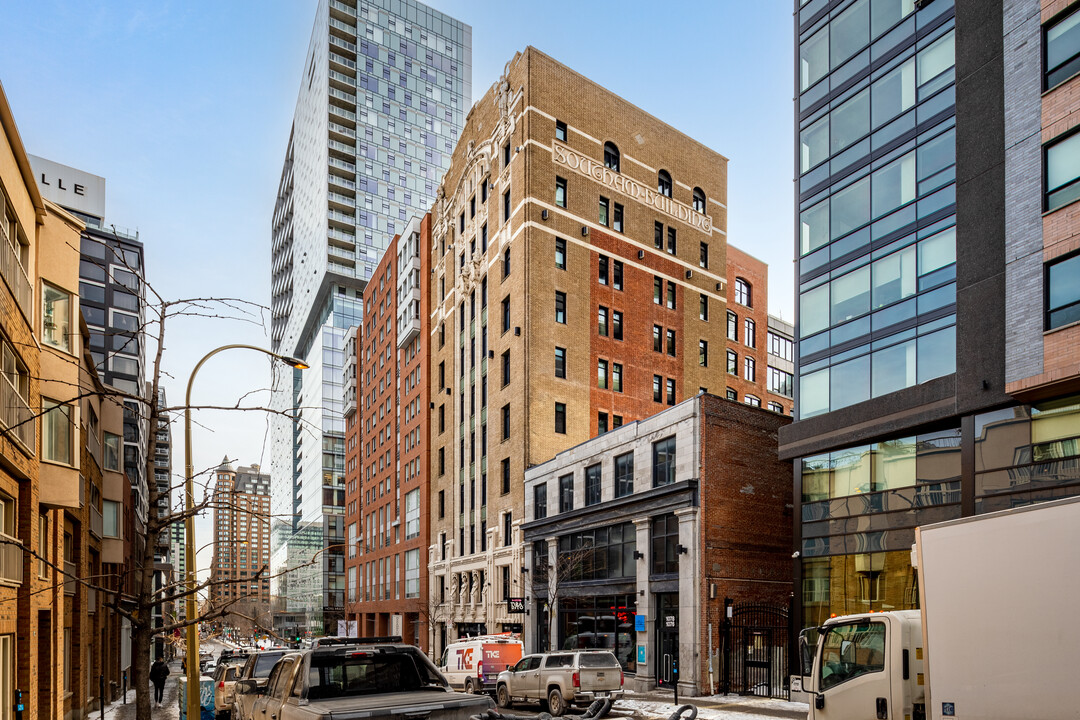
{"x":169,"y":710}
{"x":712,"y":707}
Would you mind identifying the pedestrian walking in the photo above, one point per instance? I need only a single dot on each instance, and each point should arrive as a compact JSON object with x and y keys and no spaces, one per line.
{"x":158,"y":672}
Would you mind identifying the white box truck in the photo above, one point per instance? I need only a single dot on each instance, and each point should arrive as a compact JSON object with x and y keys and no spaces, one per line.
{"x":995,"y":636}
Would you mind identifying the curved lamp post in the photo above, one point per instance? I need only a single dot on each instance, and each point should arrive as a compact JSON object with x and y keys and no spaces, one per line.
{"x":194,"y":711}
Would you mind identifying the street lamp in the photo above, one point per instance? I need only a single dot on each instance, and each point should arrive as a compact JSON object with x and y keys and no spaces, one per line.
{"x":194,"y":711}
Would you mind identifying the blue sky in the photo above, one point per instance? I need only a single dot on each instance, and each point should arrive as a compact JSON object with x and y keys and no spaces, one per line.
{"x":184,"y":107}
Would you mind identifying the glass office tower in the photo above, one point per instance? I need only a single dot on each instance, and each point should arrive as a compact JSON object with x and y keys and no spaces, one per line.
{"x":385,"y":90}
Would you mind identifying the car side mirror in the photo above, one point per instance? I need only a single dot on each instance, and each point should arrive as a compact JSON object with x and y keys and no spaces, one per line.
{"x":246,"y":687}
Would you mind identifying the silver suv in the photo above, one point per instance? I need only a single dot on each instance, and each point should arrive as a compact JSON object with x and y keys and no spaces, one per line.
{"x":561,"y":679}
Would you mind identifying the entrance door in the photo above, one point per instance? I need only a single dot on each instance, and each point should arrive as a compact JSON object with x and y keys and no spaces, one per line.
{"x":667,"y":639}
{"x":45,"y":666}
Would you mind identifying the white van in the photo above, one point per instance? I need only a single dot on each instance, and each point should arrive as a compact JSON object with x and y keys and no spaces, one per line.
{"x":473,"y":664}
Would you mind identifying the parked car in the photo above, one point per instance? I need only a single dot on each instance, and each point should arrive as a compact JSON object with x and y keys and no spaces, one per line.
{"x":229,"y":655}
{"x":225,"y":676}
{"x":257,"y":668}
{"x":474,"y":664}
{"x":561,"y":679}
{"x":373,"y":681}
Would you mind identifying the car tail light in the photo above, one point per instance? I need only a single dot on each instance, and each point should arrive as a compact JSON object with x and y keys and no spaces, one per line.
{"x":221,"y":684}
{"x":480,"y":669}
{"x":621,"y":678}
{"x":576,"y":679}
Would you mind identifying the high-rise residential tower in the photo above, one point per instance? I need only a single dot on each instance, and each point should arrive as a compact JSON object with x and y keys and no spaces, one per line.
{"x":937,"y":270}
{"x":385,"y":90}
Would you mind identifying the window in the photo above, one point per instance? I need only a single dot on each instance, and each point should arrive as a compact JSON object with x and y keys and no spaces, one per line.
{"x":508,"y":533}
{"x":657,"y":291}
{"x":781,"y":382}
{"x":624,"y":475}
{"x":505,"y":476}
{"x":506,"y":155}
{"x":1063,"y":170}
{"x":111,"y":456}
{"x":1063,"y":292}
{"x":671,"y":295}
{"x":617,"y":218}
{"x":699,"y":200}
{"x":703,"y":256}
{"x":664,"y":461}
{"x":616,"y":421}
{"x":560,"y":362}
{"x":776,"y":407}
{"x":560,"y":307}
{"x":703,"y":353}
{"x":854,"y":649}
{"x":506,"y":264}
{"x":560,"y":253}
{"x":602,"y":271}
{"x":472,"y":207}
{"x":506,"y":368}
{"x":749,"y":334}
{"x":742,"y":292}
{"x":657,"y":388}
{"x":43,"y":545}
{"x":484,"y":191}
{"x":732,"y":362}
{"x":672,"y":241}
{"x":560,"y":418}
{"x":412,"y":573}
{"x":560,"y":192}
{"x":442,"y":504}
{"x":506,"y":422}
{"x":56,"y":432}
{"x":665,"y":541}
{"x":732,"y":394}
{"x":616,"y":377}
{"x":605,"y":204}
{"x":412,"y":514}
{"x":592,"y":484}
{"x":566,"y":493}
{"x":611,"y":156}
{"x":658,"y":235}
{"x":657,"y":338}
{"x":670,"y":391}
{"x":752,"y":401}
{"x":703,"y":307}
{"x":442,"y":461}
{"x":617,"y":275}
{"x":560,"y":130}
{"x":663,"y":183}
{"x":506,"y":313}
{"x":506,"y":206}
{"x":56,"y":317}
{"x":602,"y":321}
{"x":732,"y":326}
{"x":616,"y":325}
{"x":1062,"y":49}
{"x":601,"y":374}
{"x":110,"y":518}
{"x":601,"y":423}
{"x":749,"y":371}
{"x":781,"y":346}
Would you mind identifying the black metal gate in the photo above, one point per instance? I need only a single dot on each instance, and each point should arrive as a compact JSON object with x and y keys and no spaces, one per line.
{"x":755,"y":646}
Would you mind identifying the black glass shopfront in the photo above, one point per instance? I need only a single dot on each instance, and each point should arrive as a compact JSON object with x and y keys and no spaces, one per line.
{"x":604,"y":621}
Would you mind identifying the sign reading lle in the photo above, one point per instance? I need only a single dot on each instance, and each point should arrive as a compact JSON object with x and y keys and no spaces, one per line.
{"x":69,"y":187}
{"x":584,"y":165}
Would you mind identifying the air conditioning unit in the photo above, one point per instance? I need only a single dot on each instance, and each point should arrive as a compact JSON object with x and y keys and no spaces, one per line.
{"x":640,"y":254}
{"x":584,"y":230}
{"x":543,"y":214}
{"x":689,"y":274}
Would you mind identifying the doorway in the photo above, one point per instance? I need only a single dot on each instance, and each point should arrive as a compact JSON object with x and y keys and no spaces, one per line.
{"x":667,"y":639}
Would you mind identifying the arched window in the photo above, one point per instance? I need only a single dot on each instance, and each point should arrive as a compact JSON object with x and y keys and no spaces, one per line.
{"x":699,"y":200}
{"x":611,"y":156}
{"x":742,"y":292}
{"x":663,"y":183}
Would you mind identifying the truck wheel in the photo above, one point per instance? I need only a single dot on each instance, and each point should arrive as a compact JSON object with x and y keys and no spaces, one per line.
{"x":556,"y":704}
{"x":502,"y":696}
{"x":469,"y":689}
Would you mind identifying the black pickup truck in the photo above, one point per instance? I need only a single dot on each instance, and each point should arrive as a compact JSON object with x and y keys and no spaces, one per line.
{"x":368,"y":680}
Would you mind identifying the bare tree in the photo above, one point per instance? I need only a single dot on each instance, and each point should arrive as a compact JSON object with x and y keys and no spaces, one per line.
{"x":550,"y":580}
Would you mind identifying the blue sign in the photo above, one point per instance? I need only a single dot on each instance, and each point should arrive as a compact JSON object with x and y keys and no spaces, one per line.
{"x":639,"y":623}
{"x":641,"y":654}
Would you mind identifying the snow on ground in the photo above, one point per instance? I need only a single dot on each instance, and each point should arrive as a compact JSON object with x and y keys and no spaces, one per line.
{"x":716,"y":707}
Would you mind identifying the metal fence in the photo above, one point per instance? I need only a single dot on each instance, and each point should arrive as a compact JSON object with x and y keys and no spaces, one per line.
{"x":756,"y":641}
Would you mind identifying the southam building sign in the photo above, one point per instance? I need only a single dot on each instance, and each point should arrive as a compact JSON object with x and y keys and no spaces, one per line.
{"x":583,"y":165}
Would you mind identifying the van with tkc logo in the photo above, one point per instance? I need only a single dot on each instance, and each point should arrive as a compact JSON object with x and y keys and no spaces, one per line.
{"x":474,"y":664}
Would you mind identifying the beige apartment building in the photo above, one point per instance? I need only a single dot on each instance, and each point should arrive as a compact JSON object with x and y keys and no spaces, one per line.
{"x":578,"y":262}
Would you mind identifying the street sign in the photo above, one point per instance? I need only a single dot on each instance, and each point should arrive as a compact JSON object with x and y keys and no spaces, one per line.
{"x":515,"y":605}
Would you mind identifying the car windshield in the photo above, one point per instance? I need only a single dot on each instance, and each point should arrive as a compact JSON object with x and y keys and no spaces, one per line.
{"x":592,"y":660}
{"x":368,"y":673}
{"x":265,"y":663}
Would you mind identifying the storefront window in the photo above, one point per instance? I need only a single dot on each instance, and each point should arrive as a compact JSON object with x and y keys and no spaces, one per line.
{"x":859,"y":583}
{"x":604,"y":622}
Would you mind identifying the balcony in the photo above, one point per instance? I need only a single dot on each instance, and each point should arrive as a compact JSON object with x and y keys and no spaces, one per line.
{"x":343,"y":44}
{"x":91,"y":600}
{"x":342,"y":95}
{"x":70,"y":571}
{"x":344,"y":27}
{"x":348,"y":10}
{"x":11,"y":560}
{"x":341,"y":254}
{"x":342,"y":237}
{"x":96,"y":522}
{"x":342,"y":112}
{"x":13,"y":273}
{"x":16,"y":415}
{"x":341,"y":164}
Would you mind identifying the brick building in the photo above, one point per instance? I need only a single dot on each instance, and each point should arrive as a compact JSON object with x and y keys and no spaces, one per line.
{"x":658,"y":523}
{"x":578,"y":252}
{"x":240,"y":566}
{"x":387,"y":416}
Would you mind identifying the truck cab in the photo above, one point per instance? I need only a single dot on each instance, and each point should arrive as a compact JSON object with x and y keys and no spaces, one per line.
{"x":868,"y":665}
